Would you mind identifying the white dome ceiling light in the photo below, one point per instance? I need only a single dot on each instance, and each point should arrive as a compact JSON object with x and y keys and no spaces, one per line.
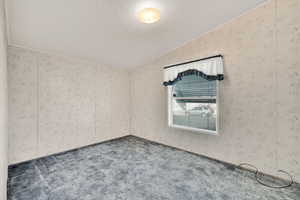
{"x":149,"y":15}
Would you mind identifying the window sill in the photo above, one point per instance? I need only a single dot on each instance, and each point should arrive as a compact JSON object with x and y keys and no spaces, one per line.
{"x":208,"y":132}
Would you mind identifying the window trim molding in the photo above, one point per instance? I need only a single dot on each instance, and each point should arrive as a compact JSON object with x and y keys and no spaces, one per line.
{"x":204,"y":131}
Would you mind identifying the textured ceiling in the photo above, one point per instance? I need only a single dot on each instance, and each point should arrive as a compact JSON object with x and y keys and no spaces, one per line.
{"x":107,"y":30}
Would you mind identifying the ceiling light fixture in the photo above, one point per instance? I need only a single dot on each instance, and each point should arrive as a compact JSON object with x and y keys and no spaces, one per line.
{"x":149,"y":15}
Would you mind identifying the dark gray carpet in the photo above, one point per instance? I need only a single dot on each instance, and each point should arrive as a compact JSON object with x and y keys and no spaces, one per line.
{"x":135,"y":169}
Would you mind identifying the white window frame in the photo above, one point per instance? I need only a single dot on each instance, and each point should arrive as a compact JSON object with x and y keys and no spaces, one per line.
{"x":204,"y":131}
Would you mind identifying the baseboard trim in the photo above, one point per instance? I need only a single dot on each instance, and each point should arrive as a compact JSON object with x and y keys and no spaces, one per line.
{"x":70,"y":150}
{"x":226,"y":164}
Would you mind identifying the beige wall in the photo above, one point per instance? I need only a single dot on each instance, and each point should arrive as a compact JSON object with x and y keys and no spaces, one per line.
{"x":260,"y":107}
{"x":58,"y":103}
{"x":3,"y":104}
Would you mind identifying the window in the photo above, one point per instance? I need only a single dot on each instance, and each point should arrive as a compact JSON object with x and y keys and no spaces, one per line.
{"x":193,"y":104}
{"x":193,"y":94}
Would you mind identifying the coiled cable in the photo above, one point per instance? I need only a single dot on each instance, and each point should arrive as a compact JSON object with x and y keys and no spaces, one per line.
{"x":258,"y":175}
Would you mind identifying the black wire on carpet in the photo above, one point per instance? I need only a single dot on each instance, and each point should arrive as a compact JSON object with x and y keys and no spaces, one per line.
{"x":258,"y":175}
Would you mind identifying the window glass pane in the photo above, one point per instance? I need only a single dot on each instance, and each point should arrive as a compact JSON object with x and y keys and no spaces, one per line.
{"x":195,"y":114}
{"x":193,"y":85}
{"x":194,"y":103}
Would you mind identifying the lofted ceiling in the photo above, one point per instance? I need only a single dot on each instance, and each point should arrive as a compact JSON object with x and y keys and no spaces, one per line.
{"x":108,"y":31}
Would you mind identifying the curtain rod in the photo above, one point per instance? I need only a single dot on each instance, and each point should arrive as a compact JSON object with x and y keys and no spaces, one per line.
{"x":192,"y":61}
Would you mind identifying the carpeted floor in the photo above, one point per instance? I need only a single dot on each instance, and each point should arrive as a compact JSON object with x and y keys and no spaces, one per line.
{"x":135,"y":169}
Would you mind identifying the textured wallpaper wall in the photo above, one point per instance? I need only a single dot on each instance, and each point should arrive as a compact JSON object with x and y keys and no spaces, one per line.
{"x":58,"y":103}
{"x":3,"y":103}
{"x":260,"y":109}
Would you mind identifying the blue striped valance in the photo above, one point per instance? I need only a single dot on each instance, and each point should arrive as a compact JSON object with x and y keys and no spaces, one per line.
{"x":210,"y":69}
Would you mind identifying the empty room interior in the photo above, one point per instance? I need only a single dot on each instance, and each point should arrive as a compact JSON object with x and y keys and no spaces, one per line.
{"x":150,"y":100}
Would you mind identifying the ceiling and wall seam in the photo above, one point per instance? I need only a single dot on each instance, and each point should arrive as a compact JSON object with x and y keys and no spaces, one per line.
{"x":206,"y":33}
{"x":80,"y":58}
{"x":211,"y":26}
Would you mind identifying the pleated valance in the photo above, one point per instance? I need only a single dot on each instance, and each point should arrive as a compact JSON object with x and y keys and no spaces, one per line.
{"x":208,"y":68}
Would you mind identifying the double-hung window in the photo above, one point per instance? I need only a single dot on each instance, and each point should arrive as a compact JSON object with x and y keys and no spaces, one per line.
{"x":193,"y":95}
